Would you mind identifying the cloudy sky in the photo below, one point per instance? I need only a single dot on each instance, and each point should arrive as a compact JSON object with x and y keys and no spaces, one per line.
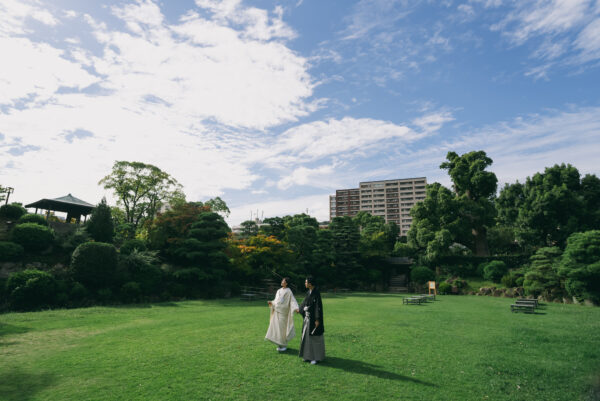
{"x":272,"y":105}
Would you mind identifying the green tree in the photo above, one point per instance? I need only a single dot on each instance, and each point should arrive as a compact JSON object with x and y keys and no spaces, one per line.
{"x":202,"y":253}
{"x":475,"y":188}
{"x":101,"y":226}
{"x":541,"y":278}
{"x":274,"y":226}
{"x":345,"y":239}
{"x":217,"y":205}
{"x":169,"y":229}
{"x":550,"y":206}
{"x":141,"y":189}
{"x":437,"y":224}
{"x":580,"y":266}
{"x":249,"y":228}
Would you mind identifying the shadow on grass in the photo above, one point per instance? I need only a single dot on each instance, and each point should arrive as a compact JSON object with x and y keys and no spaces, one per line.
{"x":360,"y":367}
{"x":17,"y":385}
{"x":7,"y":329}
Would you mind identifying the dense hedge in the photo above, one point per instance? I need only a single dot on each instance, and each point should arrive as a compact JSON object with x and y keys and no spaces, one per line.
{"x":9,"y":251}
{"x":32,"y":236}
{"x":94,"y":264}
{"x":31,"y":290}
{"x":131,"y":244}
{"x":511,"y":261}
{"x":494,"y":270}
{"x":33,"y":218}
{"x":12,"y":211}
{"x":421,"y":274}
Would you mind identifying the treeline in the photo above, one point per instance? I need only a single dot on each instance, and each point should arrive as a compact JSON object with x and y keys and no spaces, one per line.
{"x":133,"y":252}
{"x":541,"y":235}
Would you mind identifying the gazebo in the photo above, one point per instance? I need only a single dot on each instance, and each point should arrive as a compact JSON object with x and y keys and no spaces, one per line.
{"x":75,"y":208}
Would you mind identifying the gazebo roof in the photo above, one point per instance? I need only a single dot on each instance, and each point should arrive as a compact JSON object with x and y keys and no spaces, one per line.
{"x":68,"y":204}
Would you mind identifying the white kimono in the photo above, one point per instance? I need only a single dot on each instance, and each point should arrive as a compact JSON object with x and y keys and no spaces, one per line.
{"x":281,"y":327}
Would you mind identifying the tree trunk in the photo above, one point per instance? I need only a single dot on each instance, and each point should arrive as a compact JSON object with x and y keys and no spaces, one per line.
{"x":481,"y":245}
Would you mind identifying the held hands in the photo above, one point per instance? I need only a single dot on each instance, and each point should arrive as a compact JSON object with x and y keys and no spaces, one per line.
{"x":297,"y":311}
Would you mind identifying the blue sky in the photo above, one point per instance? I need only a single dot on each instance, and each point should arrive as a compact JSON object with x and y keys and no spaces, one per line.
{"x":272,"y":105}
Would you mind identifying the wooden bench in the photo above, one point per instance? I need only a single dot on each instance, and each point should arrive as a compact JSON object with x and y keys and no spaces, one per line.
{"x":428,"y":297}
{"x":413,"y":300}
{"x":523,"y":307}
{"x":528,"y":301}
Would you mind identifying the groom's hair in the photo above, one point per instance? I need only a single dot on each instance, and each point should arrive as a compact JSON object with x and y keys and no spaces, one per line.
{"x":311,"y":280}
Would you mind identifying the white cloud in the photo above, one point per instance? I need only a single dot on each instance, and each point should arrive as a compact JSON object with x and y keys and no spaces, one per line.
{"x":14,"y":15}
{"x":319,"y":139}
{"x":36,"y":70}
{"x":560,"y":28}
{"x":187,"y":97}
{"x":522,"y":147}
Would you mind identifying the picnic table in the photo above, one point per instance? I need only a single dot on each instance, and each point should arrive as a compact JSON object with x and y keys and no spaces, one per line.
{"x":415,"y":300}
{"x":524,"y":305}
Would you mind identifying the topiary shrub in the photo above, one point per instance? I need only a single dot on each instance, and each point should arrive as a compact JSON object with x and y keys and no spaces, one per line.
{"x":9,"y":251}
{"x":131,"y":244}
{"x":12,"y":211}
{"x":33,"y":218}
{"x":494,"y":270}
{"x":78,"y":292}
{"x":94,"y":264}
{"x":142,"y":267}
{"x":31,"y":289}
{"x":579,"y":266}
{"x":421,"y":274}
{"x":32,"y":236}
{"x":445,"y":288}
{"x":131,"y":292}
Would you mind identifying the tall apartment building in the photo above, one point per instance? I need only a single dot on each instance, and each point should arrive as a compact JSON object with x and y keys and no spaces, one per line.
{"x":390,"y":199}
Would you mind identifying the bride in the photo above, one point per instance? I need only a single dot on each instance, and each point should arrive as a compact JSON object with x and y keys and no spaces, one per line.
{"x":281,"y":326}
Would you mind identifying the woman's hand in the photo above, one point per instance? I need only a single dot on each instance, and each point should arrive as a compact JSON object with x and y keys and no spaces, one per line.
{"x":297,"y":311}
{"x":270,"y":302}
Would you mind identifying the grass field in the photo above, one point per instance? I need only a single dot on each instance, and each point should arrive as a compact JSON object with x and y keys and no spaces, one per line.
{"x":456,"y":348}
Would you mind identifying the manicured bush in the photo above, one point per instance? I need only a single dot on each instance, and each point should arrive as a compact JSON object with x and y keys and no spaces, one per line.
{"x":462,"y":270}
{"x":580,"y":266}
{"x":33,"y":218}
{"x":131,"y":292}
{"x":12,"y":211}
{"x":94,"y":264}
{"x":542,"y":277}
{"x":421,"y":274}
{"x":78,"y":292}
{"x":9,"y":251}
{"x":31,"y":289}
{"x":32,"y":236}
{"x":131,"y":244}
{"x":445,"y":288}
{"x":142,"y":267}
{"x":494,"y":270}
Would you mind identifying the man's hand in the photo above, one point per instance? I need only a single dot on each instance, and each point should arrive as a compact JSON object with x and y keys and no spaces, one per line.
{"x":316,"y":323}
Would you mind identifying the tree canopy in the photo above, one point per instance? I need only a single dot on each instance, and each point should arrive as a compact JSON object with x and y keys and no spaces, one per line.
{"x":141,"y":189}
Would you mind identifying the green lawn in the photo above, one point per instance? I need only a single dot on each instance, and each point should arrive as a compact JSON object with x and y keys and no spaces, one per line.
{"x":456,"y":348}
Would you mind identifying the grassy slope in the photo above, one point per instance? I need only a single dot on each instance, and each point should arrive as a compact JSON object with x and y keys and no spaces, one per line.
{"x":458,"y":348}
